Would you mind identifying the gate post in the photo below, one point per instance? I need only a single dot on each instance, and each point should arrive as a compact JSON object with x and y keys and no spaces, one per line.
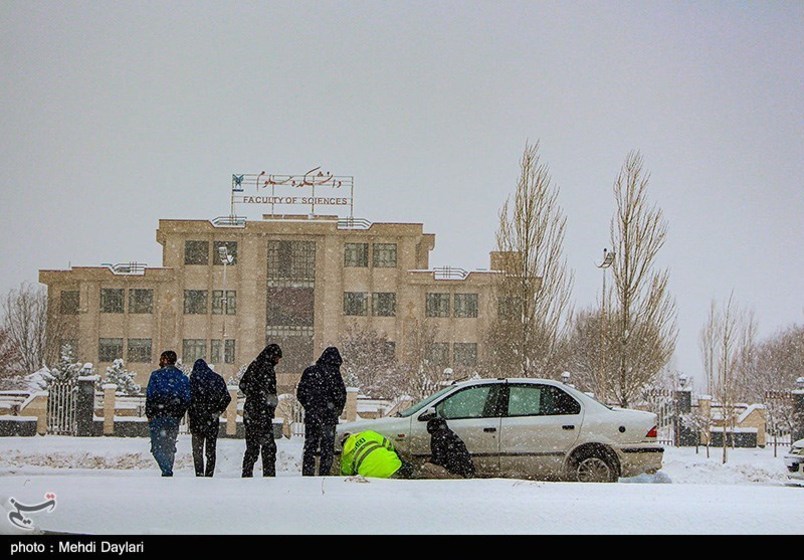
{"x":85,"y":406}
{"x":350,"y":410}
{"x":231,"y":413}
{"x":109,"y":390}
{"x":798,"y":409}
{"x":685,"y":436}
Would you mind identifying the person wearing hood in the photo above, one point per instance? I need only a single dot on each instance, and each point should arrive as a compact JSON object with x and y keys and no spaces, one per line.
{"x":258,"y":384}
{"x":449,"y":457}
{"x":208,"y":399}
{"x":322,"y":393}
{"x":166,"y":400}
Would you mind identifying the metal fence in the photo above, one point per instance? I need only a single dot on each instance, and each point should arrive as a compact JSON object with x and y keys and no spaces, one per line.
{"x":61,"y":404}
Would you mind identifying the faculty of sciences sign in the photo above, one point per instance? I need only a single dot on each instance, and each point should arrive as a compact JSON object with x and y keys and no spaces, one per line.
{"x":318,"y":188}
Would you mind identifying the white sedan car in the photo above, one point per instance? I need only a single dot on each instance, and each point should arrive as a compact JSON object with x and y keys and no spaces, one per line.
{"x":528,"y":428}
{"x":794,"y":461}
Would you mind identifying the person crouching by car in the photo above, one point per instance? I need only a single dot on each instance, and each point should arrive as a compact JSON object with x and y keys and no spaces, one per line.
{"x":372,"y":455}
{"x":449,"y":457}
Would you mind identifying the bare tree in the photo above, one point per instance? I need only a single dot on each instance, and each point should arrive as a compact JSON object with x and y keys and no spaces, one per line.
{"x":707,"y":343}
{"x":10,"y":374}
{"x":421,"y":368}
{"x":642,"y":316}
{"x":589,"y":355}
{"x":368,"y":360}
{"x":729,"y":330}
{"x":534,"y":298}
{"x":35,"y":334}
{"x":768,"y":374}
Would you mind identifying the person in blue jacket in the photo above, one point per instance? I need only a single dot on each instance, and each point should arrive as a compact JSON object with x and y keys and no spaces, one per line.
{"x":166,"y":401}
{"x":209,"y":399}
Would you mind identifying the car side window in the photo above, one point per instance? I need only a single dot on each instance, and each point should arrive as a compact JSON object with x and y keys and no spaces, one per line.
{"x":524,"y":400}
{"x":540,"y":400}
{"x":474,"y":402}
{"x":556,"y":402}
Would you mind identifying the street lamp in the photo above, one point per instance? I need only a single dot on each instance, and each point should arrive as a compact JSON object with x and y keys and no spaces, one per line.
{"x":608,"y":260}
{"x":226,"y":259}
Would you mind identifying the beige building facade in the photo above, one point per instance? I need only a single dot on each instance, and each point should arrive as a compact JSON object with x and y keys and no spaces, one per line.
{"x":225,"y":290}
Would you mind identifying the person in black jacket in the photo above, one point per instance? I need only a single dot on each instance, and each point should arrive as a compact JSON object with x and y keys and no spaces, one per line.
{"x":447,"y":452}
{"x":258,"y":384}
{"x":209,"y":398}
{"x":322,"y":393}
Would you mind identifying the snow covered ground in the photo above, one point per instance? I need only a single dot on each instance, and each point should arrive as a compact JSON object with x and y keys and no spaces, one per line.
{"x":106,"y":486}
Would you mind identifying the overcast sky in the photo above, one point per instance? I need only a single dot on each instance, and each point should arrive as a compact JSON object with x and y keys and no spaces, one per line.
{"x":114,"y":115}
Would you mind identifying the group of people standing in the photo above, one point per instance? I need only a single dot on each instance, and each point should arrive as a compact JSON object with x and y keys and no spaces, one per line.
{"x":203,"y":396}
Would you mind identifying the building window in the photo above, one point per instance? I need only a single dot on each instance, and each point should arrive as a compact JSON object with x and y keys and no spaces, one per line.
{"x":509,"y":307}
{"x":465,"y":305}
{"x":110,"y":349}
{"x":383,"y":304}
{"x":384,"y":255}
{"x":139,"y":350}
{"x":291,"y":263}
{"x":69,"y":302}
{"x":355,"y":254}
{"x":195,"y":302}
{"x":464,"y":353}
{"x":437,"y":353}
{"x":218,"y":303}
{"x":196,"y":252}
{"x":140,"y":301}
{"x":111,"y":300}
{"x":193,"y":349}
{"x":437,"y":305}
{"x":228,"y":348}
{"x":355,"y":303}
{"x":231,"y":248}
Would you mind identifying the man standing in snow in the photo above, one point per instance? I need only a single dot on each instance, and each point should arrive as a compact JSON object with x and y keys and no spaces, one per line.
{"x":258,"y":384}
{"x":166,"y":400}
{"x":209,"y":399}
{"x":322,"y":393}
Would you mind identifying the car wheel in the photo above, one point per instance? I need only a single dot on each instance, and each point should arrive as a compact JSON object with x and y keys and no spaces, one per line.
{"x":593,"y":465}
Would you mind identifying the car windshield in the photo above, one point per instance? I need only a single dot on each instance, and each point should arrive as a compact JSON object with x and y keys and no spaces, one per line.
{"x":413,"y":409}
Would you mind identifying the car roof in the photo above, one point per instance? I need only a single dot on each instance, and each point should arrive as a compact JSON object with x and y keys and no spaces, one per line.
{"x":476,"y":380}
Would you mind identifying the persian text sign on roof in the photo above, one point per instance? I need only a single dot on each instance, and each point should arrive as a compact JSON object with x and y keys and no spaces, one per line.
{"x":284,"y":193}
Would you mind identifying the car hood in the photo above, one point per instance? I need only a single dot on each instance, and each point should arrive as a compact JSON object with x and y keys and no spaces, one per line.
{"x":387,"y":426}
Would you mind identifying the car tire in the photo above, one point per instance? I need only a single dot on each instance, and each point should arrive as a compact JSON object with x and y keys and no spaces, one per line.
{"x":593,"y":465}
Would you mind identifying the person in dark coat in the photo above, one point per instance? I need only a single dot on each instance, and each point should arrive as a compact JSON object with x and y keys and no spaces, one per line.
{"x":258,"y":384}
{"x":166,"y":400}
{"x":447,"y":452}
{"x":209,"y":398}
{"x":322,"y":393}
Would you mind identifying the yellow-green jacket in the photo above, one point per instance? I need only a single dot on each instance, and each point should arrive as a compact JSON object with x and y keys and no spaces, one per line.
{"x":369,"y":454}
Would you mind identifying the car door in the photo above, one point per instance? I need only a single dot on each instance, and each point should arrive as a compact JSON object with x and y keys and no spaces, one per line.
{"x":474,"y":414}
{"x":540,"y":424}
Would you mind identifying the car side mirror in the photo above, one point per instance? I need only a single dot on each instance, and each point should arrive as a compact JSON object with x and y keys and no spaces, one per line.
{"x":428,"y":414}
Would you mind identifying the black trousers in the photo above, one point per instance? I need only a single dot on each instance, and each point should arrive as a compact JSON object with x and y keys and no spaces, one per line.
{"x":204,"y":444}
{"x":319,"y":439}
{"x":259,"y":441}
